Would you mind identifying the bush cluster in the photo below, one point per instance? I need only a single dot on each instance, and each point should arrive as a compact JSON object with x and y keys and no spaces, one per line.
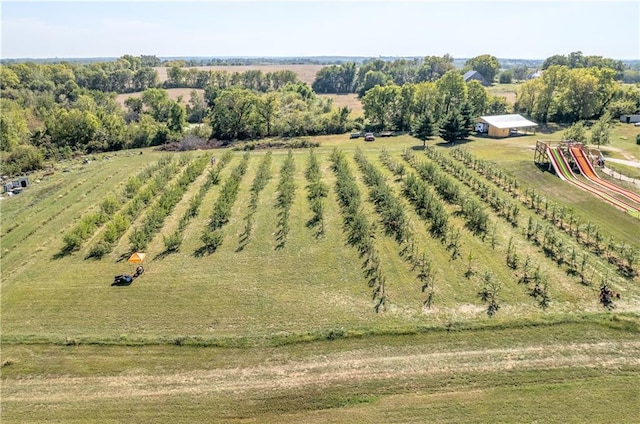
{"x":259,"y":183}
{"x":212,"y":235}
{"x":360,"y":233}
{"x":90,"y":223}
{"x":391,"y":210}
{"x":155,"y":217}
{"x":316,"y":192}
{"x":173,"y":241}
{"x":286,"y":193}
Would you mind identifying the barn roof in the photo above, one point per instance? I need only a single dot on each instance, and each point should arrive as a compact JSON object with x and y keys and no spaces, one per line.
{"x":469,"y":74}
{"x":508,"y":121}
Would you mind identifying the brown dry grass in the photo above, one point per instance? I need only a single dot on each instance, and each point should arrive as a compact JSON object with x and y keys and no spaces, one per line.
{"x":174,"y":93}
{"x":306,"y":73}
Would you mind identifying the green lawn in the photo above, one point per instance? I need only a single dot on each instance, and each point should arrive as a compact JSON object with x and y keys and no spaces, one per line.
{"x":290,"y":334}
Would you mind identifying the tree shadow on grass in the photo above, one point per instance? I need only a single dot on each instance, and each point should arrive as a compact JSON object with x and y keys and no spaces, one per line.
{"x":454,"y":144}
{"x":62,"y":253}
{"x":204,"y":250}
{"x":125,"y":256}
{"x":165,"y":253}
{"x":242,"y":242}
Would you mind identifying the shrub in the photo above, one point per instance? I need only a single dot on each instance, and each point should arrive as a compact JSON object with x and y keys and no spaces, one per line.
{"x":23,"y":159}
{"x":173,"y":241}
{"x":638,"y":139}
{"x":109,"y":205}
{"x":99,"y":250}
{"x":72,"y":241}
{"x":212,"y":239}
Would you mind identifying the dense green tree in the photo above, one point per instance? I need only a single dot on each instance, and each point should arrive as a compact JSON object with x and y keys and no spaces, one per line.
{"x":578,"y":98}
{"x":73,"y":129}
{"x":486,"y":64}
{"x":196,"y":108}
{"x":175,"y":77}
{"x":467,"y":120}
{"x":111,"y":133}
{"x":433,"y":67}
{"x":378,"y":105}
{"x":578,"y":60}
{"x":453,"y":93}
{"x":144,"y":78}
{"x":425,"y":99}
{"x":232,"y":114}
{"x":158,"y":102}
{"x":371,"y":79}
{"x":8,"y":78}
{"x":552,"y":81}
{"x":134,"y":107}
{"x":477,"y":99}
{"x":22,"y":159}
{"x":267,"y":108}
{"x":335,"y":79}
{"x":13,"y":125}
{"x":497,"y":105}
{"x":601,"y":131}
{"x":177,"y":118}
{"x":505,"y":77}
{"x":149,"y":60}
{"x":402,"y":110}
{"x":576,"y":132}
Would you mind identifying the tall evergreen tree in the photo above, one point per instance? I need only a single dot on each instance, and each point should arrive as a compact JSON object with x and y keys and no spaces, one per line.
{"x":451,"y":127}
{"x":467,"y":120}
{"x":423,"y":129}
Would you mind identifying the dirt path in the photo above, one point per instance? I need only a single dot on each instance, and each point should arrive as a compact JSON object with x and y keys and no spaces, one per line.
{"x":350,"y":367}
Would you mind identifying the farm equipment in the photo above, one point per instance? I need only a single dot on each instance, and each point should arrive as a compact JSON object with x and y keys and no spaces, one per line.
{"x":126,"y":279}
{"x":122,"y":280}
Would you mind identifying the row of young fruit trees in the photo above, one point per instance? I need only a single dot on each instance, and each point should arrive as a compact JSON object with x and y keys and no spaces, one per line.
{"x":436,"y":186}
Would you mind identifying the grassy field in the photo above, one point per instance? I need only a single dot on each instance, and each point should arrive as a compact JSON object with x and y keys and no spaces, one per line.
{"x":262,"y":333}
{"x":508,"y":91}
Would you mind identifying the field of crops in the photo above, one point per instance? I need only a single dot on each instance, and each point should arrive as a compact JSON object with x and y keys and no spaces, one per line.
{"x":352,"y":279}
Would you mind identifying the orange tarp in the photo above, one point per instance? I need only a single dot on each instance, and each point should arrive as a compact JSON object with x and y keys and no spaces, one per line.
{"x":137,"y":258}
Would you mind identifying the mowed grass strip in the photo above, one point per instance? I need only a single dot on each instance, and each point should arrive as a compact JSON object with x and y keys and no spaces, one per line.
{"x":458,"y":373}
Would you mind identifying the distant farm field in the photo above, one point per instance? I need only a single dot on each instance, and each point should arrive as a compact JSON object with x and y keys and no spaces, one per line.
{"x":285,"y":302}
{"x":174,"y":94}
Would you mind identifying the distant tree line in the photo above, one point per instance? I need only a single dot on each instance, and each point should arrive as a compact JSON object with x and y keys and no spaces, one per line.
{"x":253,"y":79}
{"x":424,"y":107}
{"x":350,"y":77}
{"x":53,"y":111}
{"x":564,"y":94}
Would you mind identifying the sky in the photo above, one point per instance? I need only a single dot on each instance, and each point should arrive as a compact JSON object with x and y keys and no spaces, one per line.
{"x":516,"y":29}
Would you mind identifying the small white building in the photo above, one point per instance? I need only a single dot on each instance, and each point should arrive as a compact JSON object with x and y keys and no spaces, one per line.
{"x":500,"y":126}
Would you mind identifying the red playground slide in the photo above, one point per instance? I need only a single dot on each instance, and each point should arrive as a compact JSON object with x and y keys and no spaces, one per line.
{"x":587,"y":170}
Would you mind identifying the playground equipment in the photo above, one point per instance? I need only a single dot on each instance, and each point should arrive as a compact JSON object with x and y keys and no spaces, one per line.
{"x":558,"y":160}
{"x":589,"y":173}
